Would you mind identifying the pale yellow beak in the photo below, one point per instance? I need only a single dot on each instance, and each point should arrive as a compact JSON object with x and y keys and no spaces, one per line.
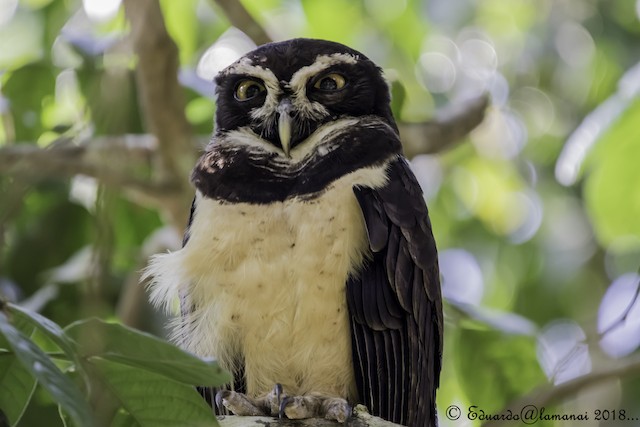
{"x":284,"y":124}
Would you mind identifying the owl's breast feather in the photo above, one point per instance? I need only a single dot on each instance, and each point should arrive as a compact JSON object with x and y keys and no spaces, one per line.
{"x":267,"y":285}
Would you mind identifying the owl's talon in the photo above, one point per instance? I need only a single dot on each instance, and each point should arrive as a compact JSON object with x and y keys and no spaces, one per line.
{"x":219,"y":397}
{"x":238,"y":403}
{"x":282,"y":406}
{"x":337,"y":409}
{"x":301,"y":407}
{"x":272,"y":401}
{"x":278,"y":391}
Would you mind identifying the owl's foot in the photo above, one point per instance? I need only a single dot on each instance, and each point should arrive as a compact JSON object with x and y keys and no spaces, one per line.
{"x":314,"y":405}
{"x":239,"y":404}
{"x":277,"y":404}
{"x":243,"y":405}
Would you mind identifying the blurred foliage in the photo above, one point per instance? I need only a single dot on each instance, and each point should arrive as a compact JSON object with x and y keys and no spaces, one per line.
{"x":106,"y":374}
{"x":537,"y":214}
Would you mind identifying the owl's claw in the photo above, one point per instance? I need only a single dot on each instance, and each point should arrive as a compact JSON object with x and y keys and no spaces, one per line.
{"x":277,"y":404}
{"x":315,"y":405}
{"x":218,"y":399}
{"x":274,"y":400}
{"x":238,"y":403}
{"x":283,"y":405}
{"x":337,"y":409}
{"x":278,"y":391}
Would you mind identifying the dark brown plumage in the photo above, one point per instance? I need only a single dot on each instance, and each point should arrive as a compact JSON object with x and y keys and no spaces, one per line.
{"x":395,"y":303}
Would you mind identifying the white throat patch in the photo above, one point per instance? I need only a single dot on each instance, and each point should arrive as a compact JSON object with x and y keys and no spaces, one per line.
{"x":322,"y":141}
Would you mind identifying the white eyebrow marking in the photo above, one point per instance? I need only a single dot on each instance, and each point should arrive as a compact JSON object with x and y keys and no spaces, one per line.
{"x":322,"y":62}
{"x":266,"y":113}
{"x":298,"y":83}
{"x":245,"y":66}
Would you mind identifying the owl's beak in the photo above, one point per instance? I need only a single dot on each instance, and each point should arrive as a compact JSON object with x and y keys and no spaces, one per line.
{"x":284,"y":124}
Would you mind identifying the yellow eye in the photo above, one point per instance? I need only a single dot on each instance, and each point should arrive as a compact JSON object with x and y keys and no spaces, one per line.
{"x":248,"y":89}
{"x":330,"y":82}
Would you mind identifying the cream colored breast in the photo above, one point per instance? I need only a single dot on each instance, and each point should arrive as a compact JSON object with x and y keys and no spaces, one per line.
{"x":267,"y":283}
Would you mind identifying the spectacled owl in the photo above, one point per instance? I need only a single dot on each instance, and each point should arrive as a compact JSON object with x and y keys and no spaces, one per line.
{"x":309,"y":268}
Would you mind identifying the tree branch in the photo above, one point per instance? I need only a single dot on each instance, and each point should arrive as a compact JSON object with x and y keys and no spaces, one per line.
{"x":549,"y":395}
{"x":447,"y":130}
{"x":118,"y":160}
{"x":168,"y":155}
{"x":115,"y":161}
{"x":240,"y":18}
{"x":160,"y":95}
{"x":361,"y":418}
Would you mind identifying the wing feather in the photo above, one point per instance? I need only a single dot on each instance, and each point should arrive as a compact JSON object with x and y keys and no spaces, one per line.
{"x":381,"y":371}
{"x":395,"y":303}
{"x":370,"y":305}
{"x":377,"y":233}
{"x":392,"y":255}
{"x":370,"y":354}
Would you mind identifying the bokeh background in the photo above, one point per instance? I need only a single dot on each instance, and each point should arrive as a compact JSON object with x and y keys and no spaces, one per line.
{"x":536,"y":212}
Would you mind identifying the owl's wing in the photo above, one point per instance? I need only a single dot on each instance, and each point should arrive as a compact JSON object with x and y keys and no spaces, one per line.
{"x":395,"y":303}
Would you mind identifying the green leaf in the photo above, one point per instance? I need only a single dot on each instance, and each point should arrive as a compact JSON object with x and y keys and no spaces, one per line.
{"x":121,"y":344}
{"x":64,"y":417}
{"x":21,"y":39}
{"x":152,"y":400}
{"x":611,"y":189}
{"x":181,"y":21}
{"x":16,"y":387}
{"x":16,"y":382}
{"x":398,"y":25}
{"x":27,"y":89}
{"x":124,"y":419}
{"x":398,"y":96}
{"x":49,"y":329}
{"x":324,"y":23}
{"x":503,"y":367}
{"x":61,"y":388}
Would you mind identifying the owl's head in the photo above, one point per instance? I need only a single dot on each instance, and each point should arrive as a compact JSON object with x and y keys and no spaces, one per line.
{"x":283,"y":92}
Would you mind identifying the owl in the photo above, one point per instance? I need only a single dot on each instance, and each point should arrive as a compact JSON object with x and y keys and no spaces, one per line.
{"x":309,"y":268}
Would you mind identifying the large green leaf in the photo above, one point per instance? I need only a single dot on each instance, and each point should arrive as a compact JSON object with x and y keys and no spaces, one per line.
{"x":124,"y":345}
{"x":149,"y":399}
{"x":48,"y":328}
{"x":124,"y":419}
{"x":611,"y":190}
{"x":38,"y":364}
{"x":16,"y":387}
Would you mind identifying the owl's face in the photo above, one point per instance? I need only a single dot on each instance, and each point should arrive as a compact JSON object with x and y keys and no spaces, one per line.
{"x":283,"y":92}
